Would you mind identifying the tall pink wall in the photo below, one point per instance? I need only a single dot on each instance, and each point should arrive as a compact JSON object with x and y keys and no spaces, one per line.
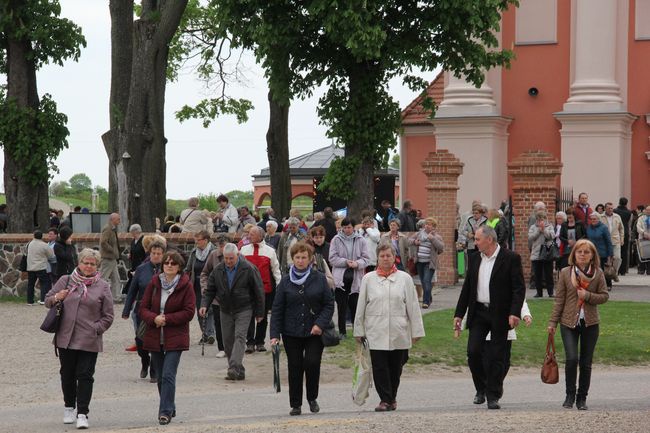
{"x":418,"y":148}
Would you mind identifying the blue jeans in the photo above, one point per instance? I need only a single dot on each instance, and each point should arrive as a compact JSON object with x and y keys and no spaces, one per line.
{"x":426,"y":275}
{"x":166,"y":364}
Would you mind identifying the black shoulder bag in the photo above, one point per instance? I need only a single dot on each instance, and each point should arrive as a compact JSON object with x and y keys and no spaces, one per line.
{"x":142,"y":327}
{"x":329,"y":337}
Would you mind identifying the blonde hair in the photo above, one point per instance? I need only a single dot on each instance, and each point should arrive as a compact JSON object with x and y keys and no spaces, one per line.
{"x":149,"y":239}
{"x":431,"y":220}
{"x":595,"y":258}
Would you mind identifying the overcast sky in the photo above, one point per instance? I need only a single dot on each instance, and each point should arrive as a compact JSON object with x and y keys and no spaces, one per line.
{"x":220,"y":158}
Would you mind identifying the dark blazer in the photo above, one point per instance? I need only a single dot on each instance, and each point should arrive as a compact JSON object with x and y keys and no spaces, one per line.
{"x":291,"y":315}
{"x":507,"y":290}
{"x":137,"y":253}
{"x":179,"y":311}
{"x":66,"y":257}
{"x":247,"y":290}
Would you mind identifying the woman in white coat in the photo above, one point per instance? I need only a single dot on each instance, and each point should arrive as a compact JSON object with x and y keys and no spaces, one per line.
{"x":389,"y":318}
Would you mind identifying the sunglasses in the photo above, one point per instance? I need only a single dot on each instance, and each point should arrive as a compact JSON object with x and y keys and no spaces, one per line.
{"x":170,"y":263}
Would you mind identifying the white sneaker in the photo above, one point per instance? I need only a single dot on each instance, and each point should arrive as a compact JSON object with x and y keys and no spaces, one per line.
{"x":68,"y":415}
{"x":82,"y":421}
{"x":221,"y":354}
{"x":41,"y":303}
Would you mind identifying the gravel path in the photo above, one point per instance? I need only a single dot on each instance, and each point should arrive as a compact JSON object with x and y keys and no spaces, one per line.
{"x":431,"y":398}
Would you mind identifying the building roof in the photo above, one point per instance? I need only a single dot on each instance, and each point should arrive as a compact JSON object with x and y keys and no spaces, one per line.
{"x":414,"y":113}
{"x":316,"y":163}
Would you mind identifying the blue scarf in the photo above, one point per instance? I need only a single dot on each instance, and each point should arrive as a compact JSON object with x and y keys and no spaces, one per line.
{"x":299,"y":277}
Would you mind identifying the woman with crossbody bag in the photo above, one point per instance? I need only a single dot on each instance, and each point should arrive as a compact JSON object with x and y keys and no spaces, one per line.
{"x":581,"y":287}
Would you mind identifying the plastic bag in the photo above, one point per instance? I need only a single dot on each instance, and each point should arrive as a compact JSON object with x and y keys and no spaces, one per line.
{"x":362,"y":374}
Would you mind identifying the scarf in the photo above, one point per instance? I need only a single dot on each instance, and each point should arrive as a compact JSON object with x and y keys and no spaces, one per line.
{"x":80,"y":282}
{"x":299,"y":277}
{"x":580,"y":279}
{"x":168,"y":286}
{"x":386,"y":274}
{"x":202,"y":255}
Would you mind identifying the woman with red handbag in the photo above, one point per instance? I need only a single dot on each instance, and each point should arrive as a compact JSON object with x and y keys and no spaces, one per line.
{"x":581,"y":287}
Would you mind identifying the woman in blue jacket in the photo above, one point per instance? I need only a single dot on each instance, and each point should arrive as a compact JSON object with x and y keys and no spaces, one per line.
{"x":302,"y":308}
{"x":598,"y":234}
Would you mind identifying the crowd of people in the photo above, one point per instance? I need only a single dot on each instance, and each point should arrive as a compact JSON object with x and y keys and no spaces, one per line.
{"x":305,"y":272}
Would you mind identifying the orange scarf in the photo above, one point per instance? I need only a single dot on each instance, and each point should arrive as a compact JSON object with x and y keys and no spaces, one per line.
{"x":384,"y":274}
{"x":580,"y":280}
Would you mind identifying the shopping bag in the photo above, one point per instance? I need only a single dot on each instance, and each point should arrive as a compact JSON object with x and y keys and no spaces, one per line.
{"x":275,"y":349}
{"x":362,"y":374}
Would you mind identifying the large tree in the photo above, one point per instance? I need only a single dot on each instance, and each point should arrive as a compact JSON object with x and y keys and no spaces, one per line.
{"x":269,"y":29}
{"x":32,"y":132}
{"x":135,"y":143}
{"x":361,"y":45}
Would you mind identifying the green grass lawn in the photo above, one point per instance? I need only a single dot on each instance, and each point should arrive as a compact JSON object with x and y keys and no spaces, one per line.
{"x":624,"y":339}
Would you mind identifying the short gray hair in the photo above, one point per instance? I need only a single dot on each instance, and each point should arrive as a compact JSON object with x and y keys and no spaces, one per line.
{"x":272,"y":223}
{"x":561,"y":214}
{"x":293,"y":221}
{"x":193,"y":202}
{"x":89,"y":253}
{"x":540,"y":205}
{"x":137,"y":228}
{"x":488,"y":232}
{"x":230,"y":248}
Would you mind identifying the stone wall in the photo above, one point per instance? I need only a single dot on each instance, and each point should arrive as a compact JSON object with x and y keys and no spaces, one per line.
{"x":12,"y":249}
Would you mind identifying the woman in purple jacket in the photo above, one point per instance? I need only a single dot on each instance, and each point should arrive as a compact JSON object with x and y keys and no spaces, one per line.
{"x":87,"y":314}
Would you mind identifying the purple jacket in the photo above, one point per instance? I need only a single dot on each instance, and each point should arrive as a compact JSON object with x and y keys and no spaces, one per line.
{"x":84,"y":319}
{"x":339,"y":257}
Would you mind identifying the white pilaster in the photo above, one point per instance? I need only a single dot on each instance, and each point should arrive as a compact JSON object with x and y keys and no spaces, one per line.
{"x":596,"y":154}
{"x":481,"y":143}
{"x":595,"y":86}
{"x":462,"y":98}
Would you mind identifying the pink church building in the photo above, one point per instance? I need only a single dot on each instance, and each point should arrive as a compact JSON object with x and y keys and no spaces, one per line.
{"x":578,"y":88}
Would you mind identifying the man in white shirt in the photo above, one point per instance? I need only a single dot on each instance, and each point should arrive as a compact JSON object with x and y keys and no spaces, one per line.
{"x":492,"y":294}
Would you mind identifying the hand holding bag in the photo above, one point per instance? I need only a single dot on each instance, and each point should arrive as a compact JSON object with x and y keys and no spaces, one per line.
{"x":549,"y":252}
{"x":550,"y":372}
{"x":52,"y":319}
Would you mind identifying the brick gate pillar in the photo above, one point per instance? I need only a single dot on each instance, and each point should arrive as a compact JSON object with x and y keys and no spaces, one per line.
{"x":535,"y":177}
{"x":442,"y":170}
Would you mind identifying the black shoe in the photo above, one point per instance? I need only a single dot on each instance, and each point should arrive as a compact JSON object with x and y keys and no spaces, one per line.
{"x":210,"y":340}
{"x":174,"y":413}
{"x":250,"y":349}
{"x":313,"y":406}
{"x":568,"y":401}
{"x":144,"y":372}
{"x":295,"y":411}
{"x":260,"y":348}
{"x":479,"y":398}
{"x":342,"y":336}
{"x":494,"y":404}
{"x":581,"y":403}
{"x":538,"y":296}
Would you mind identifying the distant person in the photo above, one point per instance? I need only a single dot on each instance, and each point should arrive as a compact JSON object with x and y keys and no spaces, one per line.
{"x":109,"y":248}
{"x":245,"y":217}
{"x":387,"y":213}
{"x":215,"y":257}
{"x":268,"y":215}
{"x":39,"y":255}
{"x":328,"y":223}
{"x":272,"y":237}
{"x":228,"y":215}
{"x":65,"y":252}
{"x":400,"y":244}
{"x":193,"y":219}
{"x":195,"y":264}
{"x":88,"y":313}
{"x":582,"y":210}
{"x":52,"y":235}
{"x":407,"y":218}
{"x":616,"y":232}
{"x":626,"y":217}
{"x":598,"y":234}
{"x":287,"y":240}
{"x":541,"y":234}
{"x":429,"y":245}
{"x":169,"y":221}
{"x":136,"y":253}
{"x":643,"y":232}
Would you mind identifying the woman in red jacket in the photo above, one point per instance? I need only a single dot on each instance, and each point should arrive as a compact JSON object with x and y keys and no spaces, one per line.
{"x":167,"y":307}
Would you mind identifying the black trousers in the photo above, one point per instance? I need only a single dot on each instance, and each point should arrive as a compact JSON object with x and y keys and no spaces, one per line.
{"x":216,"y":315}
{"x":387,"y":368}
{"x":625,"y":250}
{"x":543,"y":269}
{"x":345,"y":301}
{"x":586,"y":337}
{"x":506,"y":358}
{"x":303,"y":359}
{"x":77,"y":370}
{"x":257,"y":331}
{"x":489,"y":381}
{"x":46,"y":284}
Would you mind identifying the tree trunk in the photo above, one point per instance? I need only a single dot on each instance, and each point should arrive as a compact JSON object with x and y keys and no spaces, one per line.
{"x":361,"y":82}
{"x":27,"y":204}
{"x":277,"y":142}
{"x":136,"y":149}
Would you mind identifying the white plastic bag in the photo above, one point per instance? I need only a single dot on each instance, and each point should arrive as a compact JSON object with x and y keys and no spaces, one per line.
{"x":362,"y":374}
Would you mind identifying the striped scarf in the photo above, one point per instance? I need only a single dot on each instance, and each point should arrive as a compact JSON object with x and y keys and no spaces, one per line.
{"x":81,"y":282}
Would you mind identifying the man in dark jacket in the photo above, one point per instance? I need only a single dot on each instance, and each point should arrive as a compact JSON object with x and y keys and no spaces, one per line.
{"x":238,"y":287}
{"x":406,"y":217}
{"x":626,"y":216}
{"x":328,"y":223}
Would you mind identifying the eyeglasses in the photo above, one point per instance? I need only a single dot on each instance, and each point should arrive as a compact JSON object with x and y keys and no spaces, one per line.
{"x":170,"y":263}
{"x":89,"y":264}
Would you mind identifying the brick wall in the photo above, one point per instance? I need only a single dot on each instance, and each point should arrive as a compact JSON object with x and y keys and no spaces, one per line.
{"x":442,"y":170}
{"x":535,"y":177}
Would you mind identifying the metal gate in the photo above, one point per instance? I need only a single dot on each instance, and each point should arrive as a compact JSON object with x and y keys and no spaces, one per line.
{"x":564,"y":199}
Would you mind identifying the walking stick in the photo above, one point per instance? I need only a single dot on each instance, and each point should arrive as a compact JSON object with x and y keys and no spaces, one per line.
{"x":203,"y":319}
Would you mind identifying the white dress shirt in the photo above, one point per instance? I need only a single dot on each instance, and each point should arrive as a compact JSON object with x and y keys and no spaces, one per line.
{"x":484,"y":274}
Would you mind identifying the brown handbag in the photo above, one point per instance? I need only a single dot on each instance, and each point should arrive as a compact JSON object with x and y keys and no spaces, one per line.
{"x":550,"y":372}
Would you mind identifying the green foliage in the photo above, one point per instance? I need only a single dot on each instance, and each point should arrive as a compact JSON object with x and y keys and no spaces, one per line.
{"x":394,"y":162}
{"x":33,"y":136}
{"x":210,"y":109}
{"x":80,"y":182}
{"x":53,"y":39}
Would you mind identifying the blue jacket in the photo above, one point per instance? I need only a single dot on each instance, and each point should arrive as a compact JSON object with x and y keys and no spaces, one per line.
{"x":599,"y":235}
{"x":141,"y":278}
{"x":291,"y":315}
